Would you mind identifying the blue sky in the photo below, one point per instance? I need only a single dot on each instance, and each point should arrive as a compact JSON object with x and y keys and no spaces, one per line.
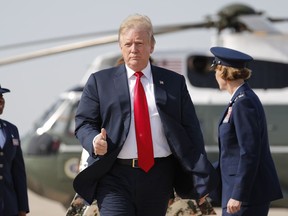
{"x":35,"y":85}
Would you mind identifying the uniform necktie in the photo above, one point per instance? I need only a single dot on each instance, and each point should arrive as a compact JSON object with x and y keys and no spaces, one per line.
{"x":142,"y":126}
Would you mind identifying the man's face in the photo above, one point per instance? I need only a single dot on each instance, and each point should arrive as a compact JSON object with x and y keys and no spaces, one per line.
{"x":136,"y":48}
{"x":2,"y":103}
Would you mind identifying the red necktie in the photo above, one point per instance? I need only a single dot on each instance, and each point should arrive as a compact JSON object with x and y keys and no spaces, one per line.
{"x":142,"y":126}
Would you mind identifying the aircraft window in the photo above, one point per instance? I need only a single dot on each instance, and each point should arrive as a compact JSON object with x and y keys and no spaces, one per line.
{"x":57,"y":119}
{"x":265,"y":74}
{"x":71,"y":128}
{"x":66,"y":116}
{"x":268,"y":75}
{"x":47,"y":115}
{"x":199,"y":73}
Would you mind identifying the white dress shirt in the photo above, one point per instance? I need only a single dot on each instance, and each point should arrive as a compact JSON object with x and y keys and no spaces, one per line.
{"x":160,"y":145}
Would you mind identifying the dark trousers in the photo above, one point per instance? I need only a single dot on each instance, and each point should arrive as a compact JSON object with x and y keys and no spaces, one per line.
{"x":255,"y":210}
{"x":128,"y":191}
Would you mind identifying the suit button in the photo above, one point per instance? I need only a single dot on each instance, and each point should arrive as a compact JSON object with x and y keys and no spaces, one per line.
{"x":1,"y":153}
{"x":1,"y":165}
{"x":1,"y":177}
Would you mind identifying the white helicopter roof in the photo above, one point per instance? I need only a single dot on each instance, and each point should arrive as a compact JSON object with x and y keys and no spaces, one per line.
{"x":272,"y":47}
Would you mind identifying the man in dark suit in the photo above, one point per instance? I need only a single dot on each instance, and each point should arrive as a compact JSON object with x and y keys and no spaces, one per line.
{"x":248,"y":175}
{"x":13,"y":187}
{"x":118,"y":177}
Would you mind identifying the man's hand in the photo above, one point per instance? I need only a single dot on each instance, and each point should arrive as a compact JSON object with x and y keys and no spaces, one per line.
{"x":233,"y":206}
{"x":21,"y":213}
{"x":100,"y":144}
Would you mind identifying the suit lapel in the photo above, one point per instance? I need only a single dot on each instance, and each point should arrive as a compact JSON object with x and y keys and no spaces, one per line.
{"x":122,"y":91}
{"x":159,"y":88}
{"x":5,"y":131}
{"x":2,"y":138}
{"x":224,"y":114}
{"x":8,"y":135}
{"x":237,"y":94}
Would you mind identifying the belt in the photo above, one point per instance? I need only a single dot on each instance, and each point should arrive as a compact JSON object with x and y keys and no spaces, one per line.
{"x":128,"y":162}
{"x":134,"y":162}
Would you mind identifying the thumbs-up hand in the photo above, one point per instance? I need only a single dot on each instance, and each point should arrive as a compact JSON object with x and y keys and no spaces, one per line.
{"x":100,"y":143}
{"x":103,"y":134}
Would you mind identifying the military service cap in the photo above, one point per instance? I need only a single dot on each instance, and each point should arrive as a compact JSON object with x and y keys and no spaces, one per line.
{"x":3,"y":90}
{"x":229,"y":57}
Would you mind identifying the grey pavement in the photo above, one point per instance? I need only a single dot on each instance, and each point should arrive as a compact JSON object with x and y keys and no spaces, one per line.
{"x":40,"y":206}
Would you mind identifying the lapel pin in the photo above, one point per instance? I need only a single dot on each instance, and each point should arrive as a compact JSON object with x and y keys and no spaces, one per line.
{"x":161,"y":82}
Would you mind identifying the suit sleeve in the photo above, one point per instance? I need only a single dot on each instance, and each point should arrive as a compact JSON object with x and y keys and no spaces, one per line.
{"x":87,"y":117}
{"x":194,"y":159}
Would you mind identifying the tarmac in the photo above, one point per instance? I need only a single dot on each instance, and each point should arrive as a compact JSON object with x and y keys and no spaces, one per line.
{"x":46,"y":207}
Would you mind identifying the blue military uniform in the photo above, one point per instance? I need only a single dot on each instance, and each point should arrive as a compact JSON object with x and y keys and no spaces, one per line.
{"x":245,"y":163}
{"x":13,"y":187}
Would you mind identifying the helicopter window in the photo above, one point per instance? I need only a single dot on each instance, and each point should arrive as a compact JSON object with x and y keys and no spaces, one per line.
{"x":65,"y":119}
{"x":265,"y":74}
{"x":199,"y":72}
{"x":47,"y":115}
{"x":268,"y":75}
{"x":57,"y":119}
{"x":71,"y":126}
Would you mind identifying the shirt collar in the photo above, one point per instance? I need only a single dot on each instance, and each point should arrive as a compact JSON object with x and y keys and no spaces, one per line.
{"x":146,"y":71}
{"x":235,"y":91}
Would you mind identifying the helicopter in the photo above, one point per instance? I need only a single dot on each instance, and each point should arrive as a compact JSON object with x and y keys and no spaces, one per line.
{"x":52,"y":153}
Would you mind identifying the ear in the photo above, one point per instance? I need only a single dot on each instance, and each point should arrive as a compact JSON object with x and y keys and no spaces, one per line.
{"x":152,"y":48}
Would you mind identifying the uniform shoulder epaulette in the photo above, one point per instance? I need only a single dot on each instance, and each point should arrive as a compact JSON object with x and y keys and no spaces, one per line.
{"x":242,"y":94}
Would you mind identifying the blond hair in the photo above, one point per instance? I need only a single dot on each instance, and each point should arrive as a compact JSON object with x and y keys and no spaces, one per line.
{"x":137,"y":21}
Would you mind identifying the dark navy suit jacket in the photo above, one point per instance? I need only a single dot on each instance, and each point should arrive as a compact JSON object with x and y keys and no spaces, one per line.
{"x":105,"y":103}
{"x":13,"y":187}
{"x":247,"y":170}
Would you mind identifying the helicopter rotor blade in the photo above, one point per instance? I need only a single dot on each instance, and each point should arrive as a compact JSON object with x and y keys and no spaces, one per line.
{"x":181,"y":27}
{"x":229,"y":17}
{"x":56,"y":39}
{"x":58,"y":49}
{"x":95,"y":42}
{"x":163,"y":29}
{"x":277,"y":19}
